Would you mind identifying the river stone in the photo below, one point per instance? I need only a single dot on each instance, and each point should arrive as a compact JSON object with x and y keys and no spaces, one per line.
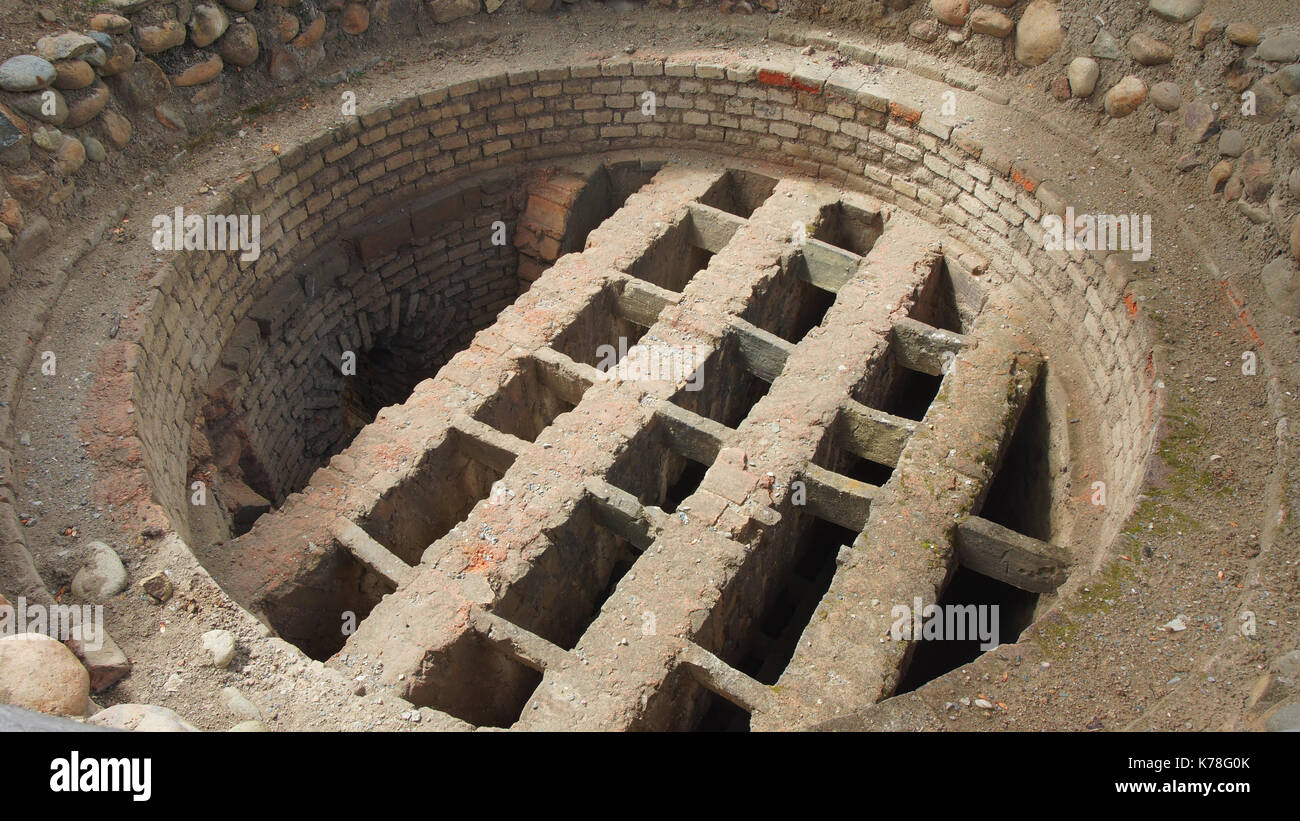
{"x":37,"y":106}
{"x":220,"y":645}
{"x":122,"y":58}
{"x":284,"y":69}
{"x":1039,"y":33}
{"x":1288,"y":79}
{"x":1257,"y":174}
{"x":238,"y":46}
{"x":1179,"y":11}
{"x":110,"y":23}
{"x":207,"y":23}
{"x":312,"y":34}
{"x":284,"y":25}
{"x":200,"y":73}
{"x":1105,"y":46}
{"x":1201,"y":121}
{"x":1166,"y":96}
{"x":992,"y":23}
{"x":249,"y":727}
{"x":143,"y":718}
{"x":12,"y":129}
{"x":47,"y":138}
{"x":1083,"y":72}
{"x":95,"y":151}
{"x":39,"y":673}
{"x":69,"y":159}
{"x":159,"y":37}
{"x":239,"y":704}
{"x":1231,"y":143}
{"x":73,"y":74}
{"x":1125,"y":96}
{"x":1280,"y":48}
{"x":1242,"y":33}
{"x":102,"y":576}
{"x":29,"y":188}
{"x":63,"y":46}
{"x":950,"y":12}
{"x":85,"y":105}
{"x":26,"y":72}
{"x":1204,"y":29}
{"x":116,"y":129}
{"x":142,"y":85}
{"x":1149,"y":51}
{"x":1269,"y":99}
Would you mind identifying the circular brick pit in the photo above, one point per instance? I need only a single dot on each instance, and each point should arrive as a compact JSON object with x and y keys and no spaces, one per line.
{"x":898,"y":383}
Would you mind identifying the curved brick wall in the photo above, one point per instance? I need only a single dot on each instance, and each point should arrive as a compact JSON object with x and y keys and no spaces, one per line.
{"x":836,"y":128}
{"x":402,"y":293}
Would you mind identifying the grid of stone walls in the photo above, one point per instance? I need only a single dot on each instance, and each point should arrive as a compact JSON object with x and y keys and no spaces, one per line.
{"x":840,"y":125}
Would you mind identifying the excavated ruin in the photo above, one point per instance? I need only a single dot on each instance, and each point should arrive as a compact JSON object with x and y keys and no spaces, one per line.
{"x":638,"y":391}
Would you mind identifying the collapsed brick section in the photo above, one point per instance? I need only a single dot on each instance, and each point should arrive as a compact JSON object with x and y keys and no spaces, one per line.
{"x":843,"y":134}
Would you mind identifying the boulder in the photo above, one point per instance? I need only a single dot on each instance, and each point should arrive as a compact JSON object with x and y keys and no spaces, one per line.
{"x":110,"y":23}
{"x":142,"y":85}
{"x":356,"y":18}
{"x":39,"y":673}
{"x":220,"y":645}
{"x":239,"y":46}
{"x":65,"y":46}
{"x":1167,"y":96}
{"x":444,"y":11}
{"x":116,"y":129}
{"x":1178,"y":11}
{"x":1125,"y":96}
{"x":158,"y":37}
{"x":48,"y":106}
{"x":990,"y":22}
{"x":85,"y":105}
{"x":1083,"y":73}
{"x":1039,"y":33}
{"x":1149,"y":51}
{"x":207,"y":22}
{"x":102,"y":576}
{"x":70,"y":157}
{"x":26,"y":72}
{"x":950,"y":12}
{"x":143,"y":718}
{"x":199,"y":73}
{"x":73,"y":74}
